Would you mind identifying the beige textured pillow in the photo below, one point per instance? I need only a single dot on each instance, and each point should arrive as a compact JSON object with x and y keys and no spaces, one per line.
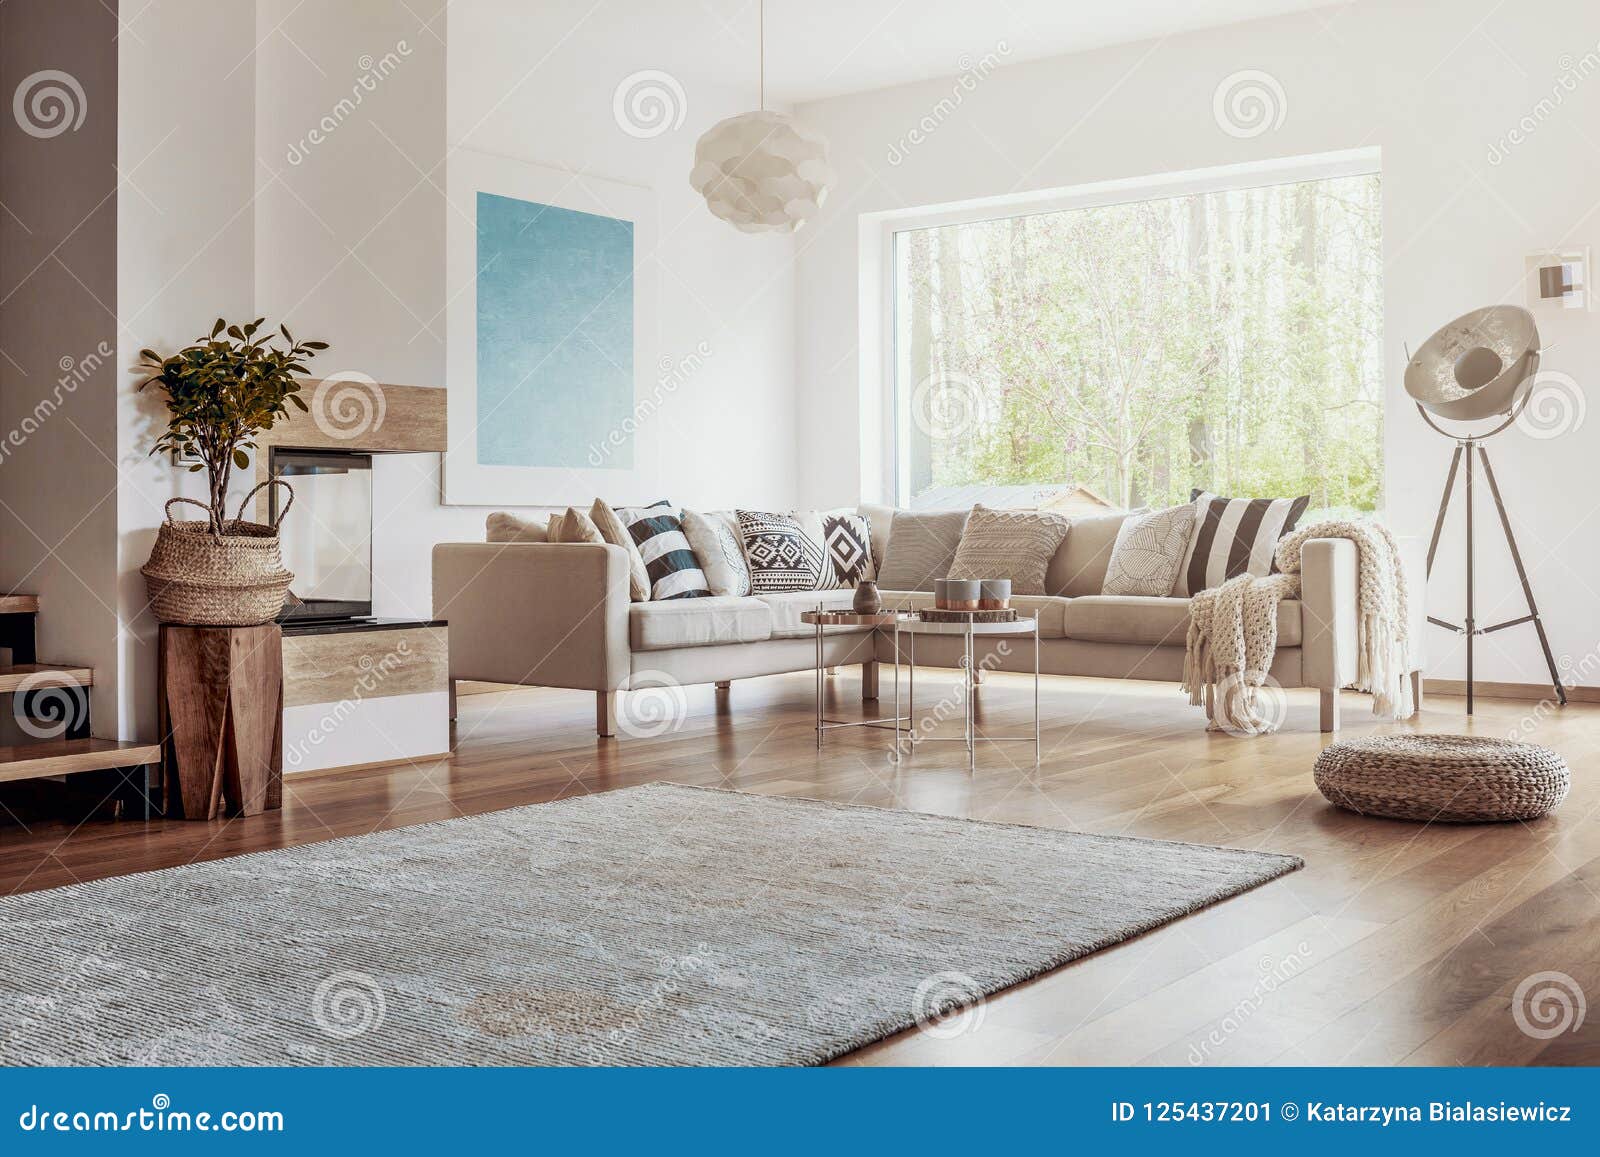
{"x":616,"y":534}
{"x":719,"y":551}
{"x":1148,"y":552}
{"x":1009,"y":544}
{"x":574,"y":526}
{"x":504,"y":527}
{"x":922,"y":544}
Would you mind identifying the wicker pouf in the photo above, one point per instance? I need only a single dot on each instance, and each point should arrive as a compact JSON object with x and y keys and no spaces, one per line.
{"x":1457,"y":778}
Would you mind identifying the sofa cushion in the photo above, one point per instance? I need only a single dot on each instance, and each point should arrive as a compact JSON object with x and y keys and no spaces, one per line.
{"x":1151,"y":621}
{"x":669,"y":560}
{"x":1148,"y":552}
{"x":1048,"y":608}
{"x":922,"y":545}
{"x":502,"y":526}
{"x":846,"y":548}
{"x":879,"y":518}
{"x":1234,"y":536}
{"x":782,"y":556}
{"x":615,"y":531}
{"x":714,"y":538}
{"x":704,"y":622}
{"x":1079,"y":567}
{"x":788,"y":606}
{"x":1009,"y":544}
{"x":573,"y":525}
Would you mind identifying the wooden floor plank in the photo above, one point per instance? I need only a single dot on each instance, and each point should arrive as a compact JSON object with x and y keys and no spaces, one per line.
{"x":1415,"y":936}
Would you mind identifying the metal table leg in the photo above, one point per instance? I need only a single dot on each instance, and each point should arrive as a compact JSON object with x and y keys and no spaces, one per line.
{"x":819,"y":683}
{"x":911,"y":691}
{"x":896,"y":749}
{"x":972,"y":723}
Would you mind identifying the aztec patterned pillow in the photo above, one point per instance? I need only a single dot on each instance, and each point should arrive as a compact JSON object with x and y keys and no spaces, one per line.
{"x":845,"y":540}
{"x":782,"y":556}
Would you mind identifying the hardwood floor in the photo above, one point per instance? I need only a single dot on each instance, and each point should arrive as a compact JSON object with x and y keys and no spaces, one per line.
{"x":1398,"y":942}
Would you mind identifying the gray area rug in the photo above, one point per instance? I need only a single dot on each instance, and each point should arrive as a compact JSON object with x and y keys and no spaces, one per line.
{"x":659,"y":925}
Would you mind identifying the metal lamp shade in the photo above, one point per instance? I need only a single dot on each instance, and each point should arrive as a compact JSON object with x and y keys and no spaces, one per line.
{"x":1479,"y":366}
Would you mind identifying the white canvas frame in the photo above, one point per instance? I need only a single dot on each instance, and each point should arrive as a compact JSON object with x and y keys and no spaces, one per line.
{"x":465,"y":482}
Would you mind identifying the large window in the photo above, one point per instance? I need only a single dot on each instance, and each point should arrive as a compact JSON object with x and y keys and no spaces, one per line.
{"x":1124,"y":353}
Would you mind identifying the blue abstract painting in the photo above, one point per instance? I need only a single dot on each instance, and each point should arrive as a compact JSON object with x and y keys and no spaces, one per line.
{"x":555,"y":334}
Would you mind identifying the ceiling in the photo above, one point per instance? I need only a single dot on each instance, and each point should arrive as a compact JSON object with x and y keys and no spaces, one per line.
{"x":823,"y":48}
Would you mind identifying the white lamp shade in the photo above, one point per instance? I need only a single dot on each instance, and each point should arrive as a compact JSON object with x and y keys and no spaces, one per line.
{"x":762,"y":172}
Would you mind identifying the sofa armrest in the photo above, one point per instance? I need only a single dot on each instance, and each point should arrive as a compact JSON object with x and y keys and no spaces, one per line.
{"x":541,"y":614}
{"x":1330,"y":650}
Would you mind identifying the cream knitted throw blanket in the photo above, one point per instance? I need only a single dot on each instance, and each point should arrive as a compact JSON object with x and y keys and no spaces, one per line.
{"x":1233,"y":632}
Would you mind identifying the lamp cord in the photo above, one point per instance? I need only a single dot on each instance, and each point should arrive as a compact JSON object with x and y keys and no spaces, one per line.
{"x":761,"y":51}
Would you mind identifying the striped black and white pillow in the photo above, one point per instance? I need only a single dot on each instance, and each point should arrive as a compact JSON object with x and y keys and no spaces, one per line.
{"x":673,"y":569}
{"x":1234,"y":536}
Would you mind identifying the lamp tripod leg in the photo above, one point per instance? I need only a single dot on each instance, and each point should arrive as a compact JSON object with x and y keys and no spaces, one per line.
{"x":1444,"y":507}
{"x":1522,"y":576}
{"x":1472,"y":623}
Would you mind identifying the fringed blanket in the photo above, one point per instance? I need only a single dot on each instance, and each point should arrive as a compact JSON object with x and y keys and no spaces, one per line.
{"x":1233,"y":631}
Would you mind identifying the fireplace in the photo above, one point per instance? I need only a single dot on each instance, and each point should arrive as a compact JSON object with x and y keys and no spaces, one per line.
{"x":327,"y":534}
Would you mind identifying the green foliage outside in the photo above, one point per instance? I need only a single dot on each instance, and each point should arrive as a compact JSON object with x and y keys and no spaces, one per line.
{"x":1227,"y":340}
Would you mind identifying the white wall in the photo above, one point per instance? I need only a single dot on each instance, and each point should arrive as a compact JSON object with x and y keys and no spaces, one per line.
{"x":346,"y":241}
{"x":1435,"y":85}
{"x":537,"y":82}
{"x":349,"y":227}
{"x":350,"y":241}
{"x":185,"y":254}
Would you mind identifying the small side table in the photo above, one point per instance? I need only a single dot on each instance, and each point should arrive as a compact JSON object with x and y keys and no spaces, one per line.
{"x":221,"y":707}
{"x":969,"y":631}
{"x":882,"y":621}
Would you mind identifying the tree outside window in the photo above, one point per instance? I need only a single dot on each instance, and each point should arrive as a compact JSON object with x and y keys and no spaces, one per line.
{"x":1226,"y":340}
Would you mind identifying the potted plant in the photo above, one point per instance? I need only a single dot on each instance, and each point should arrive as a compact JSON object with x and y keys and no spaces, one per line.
{"x":222,"y":392}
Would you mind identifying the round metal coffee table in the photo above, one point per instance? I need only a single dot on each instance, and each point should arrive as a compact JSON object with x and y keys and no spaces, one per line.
{"x":968,"y":631}
{"x":887,"y":621}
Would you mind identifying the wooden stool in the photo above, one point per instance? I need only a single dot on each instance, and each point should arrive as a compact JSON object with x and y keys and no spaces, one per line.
{"x":221,"y":702}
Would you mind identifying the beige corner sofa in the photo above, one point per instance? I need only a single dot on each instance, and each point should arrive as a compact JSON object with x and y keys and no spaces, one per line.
{"x":559,"y":615}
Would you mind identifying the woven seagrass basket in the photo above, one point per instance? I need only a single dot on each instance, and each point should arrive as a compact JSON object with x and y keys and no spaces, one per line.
{"x":236,"y":579}
{"x":1455,"y":778}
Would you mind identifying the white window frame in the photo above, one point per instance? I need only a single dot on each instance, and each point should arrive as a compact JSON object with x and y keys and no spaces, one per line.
{"x":884,"y":476}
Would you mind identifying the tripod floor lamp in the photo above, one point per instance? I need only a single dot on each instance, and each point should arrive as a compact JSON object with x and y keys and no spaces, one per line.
{"x":1479,"y":367}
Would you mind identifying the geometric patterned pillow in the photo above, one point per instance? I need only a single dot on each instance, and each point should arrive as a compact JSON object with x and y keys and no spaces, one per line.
{"x":847,"y":545}
{"x":657,"y":533}
{"x":845,"y":540}
{"x":782,"y":556}
{"x":1148,"y":552}
{"x":1234,"y":536}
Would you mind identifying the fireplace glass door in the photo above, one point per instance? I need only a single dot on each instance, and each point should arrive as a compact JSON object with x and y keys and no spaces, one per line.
{"x":327,"y":534}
